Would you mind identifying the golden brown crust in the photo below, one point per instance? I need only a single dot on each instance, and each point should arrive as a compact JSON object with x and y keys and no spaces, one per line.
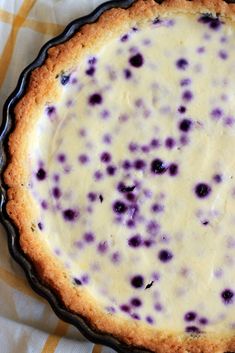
{"x":42,"y":88}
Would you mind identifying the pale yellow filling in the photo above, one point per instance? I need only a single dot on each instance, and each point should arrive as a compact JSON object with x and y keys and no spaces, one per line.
{"x":203,"y":262}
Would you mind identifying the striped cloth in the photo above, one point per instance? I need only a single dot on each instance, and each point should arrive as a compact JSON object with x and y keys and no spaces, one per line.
{"x":27,"y":323}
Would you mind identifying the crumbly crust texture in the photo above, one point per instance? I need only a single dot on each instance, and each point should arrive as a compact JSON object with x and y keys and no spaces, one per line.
{"x":43,"y":88}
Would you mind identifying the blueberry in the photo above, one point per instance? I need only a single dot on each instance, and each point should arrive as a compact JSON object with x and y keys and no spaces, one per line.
{"x":185,"y":125}
{"x":136,"y":302}
{"x":192,"y":329}
{"x":50,"y":110}
{"x":95,"y":99}
{"x":135,"y":241}
{"x":64,"y":79}
{"x":139,"y":164}
{"x":119,"y":207}
{"x":170,"y":142}
{"x":217,"y":178}
{"x":102,"y":247}
{"x":61,"y":157}
{"x":127,"y":74}
{"x":92,"y":196}
{"x":77,"y":281}
{"x":136,"y":60}
{"x":111,"y":170}
{"x":203,"y":321}
{"x":182,"y":109}
{"x":137,"y":281}
{"x":185,"y":82}
{"x":182,"y":64}
{"x":216,"y":113}
{"x":227,"y":296}
{"x":105,"y":157}
{"x":40,"y":226}
{"x":90,"y":71}
{"x":202,"y":190}
{"x":125,"y":308}
{"x":190,"y":316}
{"x":124,"y":38}
{"x":214,"y":23}
{"x":88,"y":237}
{"x":70,"y":215}
{"x":41,"y":174}
{"x":56,"y":192}
{"x":173,"y":169}
{"x":165,"y":255}
{"x":158,"y":166}
{"x":187,"y":95}
{"x":92,"y":61}
{"x":149,"y":319}
{"x":83,"y":158}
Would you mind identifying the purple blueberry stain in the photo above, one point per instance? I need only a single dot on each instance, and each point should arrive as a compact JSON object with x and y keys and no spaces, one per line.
{"x":61,"y":157}
{"x":56,"y":192}
{"x":227,"y":296}
{"x":223,"y":54}
{"x":182,"y":109}
{"x":135,"y":241}
{"x":83,"y":158}
{"x":89,"y":237}
{"x":216,"y":113}
{"x":92,"y":196}
{"x":185,"y":125}
{"x":41,"y":174}
{"x":170,"y":142}
{"x":102,"y":247}
{"x":105,"y":157}
{"x":150,"y":320}
{"x":137,"y":281}
{"x":95,"y":99}
{"x":136,"y":60}
{"x":136,"y":302}
{"x":187,"y":96}
{"x":185,"y":82}
{"x":64,"y":79}
{"x":70,"y":215}
{"x":192,"y":329}
{"x":111,"y":170}
{"x":165,"y":255}
{"x":217,"y":178}
{"x":127,"y":74}
{"x":173,"y":169}
{"x":182,"y":64}
{"x":124,"y":38}
{"x":119,"y":207}
{"x":202,"y":190}
{"x":158,"y":166}
{"x":214,"y":23}
{"x":50,"y":110}
{"x":40,"y":226}
{"x":190,"y":316}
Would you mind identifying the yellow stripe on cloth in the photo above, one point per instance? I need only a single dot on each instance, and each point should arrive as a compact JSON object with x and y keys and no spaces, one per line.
{"x":17,"y":283}
{"x":97,"y":348}
{"x":51,"y":29}
{"x":19,"y":19}
{"x":53,"y":340}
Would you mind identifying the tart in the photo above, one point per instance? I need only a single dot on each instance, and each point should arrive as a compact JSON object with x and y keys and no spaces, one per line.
{"x":120,"y":174}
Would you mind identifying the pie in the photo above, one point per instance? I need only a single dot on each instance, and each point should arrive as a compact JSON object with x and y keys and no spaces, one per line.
{"x":121,"y":175}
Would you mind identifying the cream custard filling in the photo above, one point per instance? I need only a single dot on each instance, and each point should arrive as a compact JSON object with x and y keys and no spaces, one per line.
{"x":133,"y":173}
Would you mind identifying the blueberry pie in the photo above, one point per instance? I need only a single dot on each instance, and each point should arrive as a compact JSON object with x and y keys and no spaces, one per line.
{"x":121,"y":177}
